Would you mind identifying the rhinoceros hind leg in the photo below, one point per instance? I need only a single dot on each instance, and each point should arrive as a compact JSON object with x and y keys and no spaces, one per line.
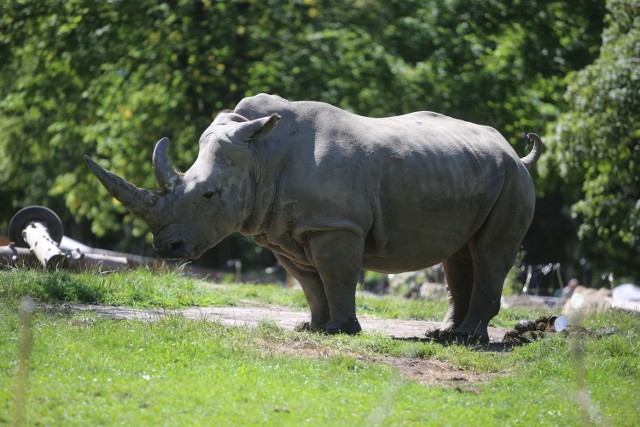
{"x":490,"y":270}
{"x":484,"y":302}
{"x":459,"y":273}
{"x":493,"y":250}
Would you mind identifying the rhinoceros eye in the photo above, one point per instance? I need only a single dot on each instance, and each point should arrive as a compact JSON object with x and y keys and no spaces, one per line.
{"x":208,"y":194}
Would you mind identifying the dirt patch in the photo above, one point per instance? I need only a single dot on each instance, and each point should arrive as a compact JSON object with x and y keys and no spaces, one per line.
{"x":428,"y":372}
{"x":303,"y":348}
{"x":435,"y":372}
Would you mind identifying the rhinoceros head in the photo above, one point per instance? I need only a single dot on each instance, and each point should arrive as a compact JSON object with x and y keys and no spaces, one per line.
{"x":194,"y":210}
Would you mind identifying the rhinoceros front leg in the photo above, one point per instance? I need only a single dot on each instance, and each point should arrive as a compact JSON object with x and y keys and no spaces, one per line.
{"x":337,"y":255}
{"x":313,"y":291}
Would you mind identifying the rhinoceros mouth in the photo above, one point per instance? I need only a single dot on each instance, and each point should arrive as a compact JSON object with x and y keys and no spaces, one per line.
{"x":175,"y":249}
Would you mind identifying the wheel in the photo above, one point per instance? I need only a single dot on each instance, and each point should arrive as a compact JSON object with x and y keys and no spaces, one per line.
{"x":31,"y":214}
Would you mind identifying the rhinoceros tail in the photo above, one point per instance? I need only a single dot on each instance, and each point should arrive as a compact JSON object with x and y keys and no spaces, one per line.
{"x":530,"y":159}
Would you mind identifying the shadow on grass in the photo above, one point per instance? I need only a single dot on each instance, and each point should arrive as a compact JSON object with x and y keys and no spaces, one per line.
{"x":56,"y":286}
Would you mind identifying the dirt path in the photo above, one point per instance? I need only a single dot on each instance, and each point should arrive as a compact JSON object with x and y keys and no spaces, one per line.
{"x":252,"y":316}
{"x":426,"y":371}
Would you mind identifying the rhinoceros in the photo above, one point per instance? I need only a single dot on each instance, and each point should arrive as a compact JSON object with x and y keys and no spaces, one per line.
{"x":331,"y":192}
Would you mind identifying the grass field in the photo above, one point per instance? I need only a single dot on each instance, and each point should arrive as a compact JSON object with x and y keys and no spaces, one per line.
{"x":80,"y":369}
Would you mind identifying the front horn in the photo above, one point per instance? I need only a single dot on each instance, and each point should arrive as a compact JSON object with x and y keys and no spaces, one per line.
{"x":166,"y":176}
{"x":135,"y":199}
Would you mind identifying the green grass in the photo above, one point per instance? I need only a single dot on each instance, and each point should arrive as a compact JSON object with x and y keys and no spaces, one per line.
{"x":144,"y":289}
{"x":140,"y":288}
{"x":85,"y":370}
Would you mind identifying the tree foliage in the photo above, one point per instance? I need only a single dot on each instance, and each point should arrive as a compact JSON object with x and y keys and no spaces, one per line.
{"x":109,"y":78}
{"x":597,"y":144}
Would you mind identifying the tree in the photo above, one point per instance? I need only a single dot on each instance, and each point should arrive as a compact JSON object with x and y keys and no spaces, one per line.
{"x":596,"y":145}
{"x":109,"y":78}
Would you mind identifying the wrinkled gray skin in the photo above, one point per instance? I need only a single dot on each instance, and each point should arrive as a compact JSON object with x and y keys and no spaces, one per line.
{"x":330,"y":193}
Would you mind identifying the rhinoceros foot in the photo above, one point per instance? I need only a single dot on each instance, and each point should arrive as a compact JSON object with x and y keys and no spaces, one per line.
{"x":458,"y":337}
{"x":351,"y":327}
{"x":309,"y":327}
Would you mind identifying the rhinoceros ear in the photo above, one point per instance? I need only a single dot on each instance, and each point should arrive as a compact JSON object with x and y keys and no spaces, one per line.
{"x":253,"y":130}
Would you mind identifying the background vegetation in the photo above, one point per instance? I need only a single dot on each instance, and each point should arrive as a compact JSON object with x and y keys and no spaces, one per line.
{"x":109,"y":78}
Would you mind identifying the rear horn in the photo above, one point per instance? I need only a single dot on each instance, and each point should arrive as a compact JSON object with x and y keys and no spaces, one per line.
{"x":166,"y":176}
